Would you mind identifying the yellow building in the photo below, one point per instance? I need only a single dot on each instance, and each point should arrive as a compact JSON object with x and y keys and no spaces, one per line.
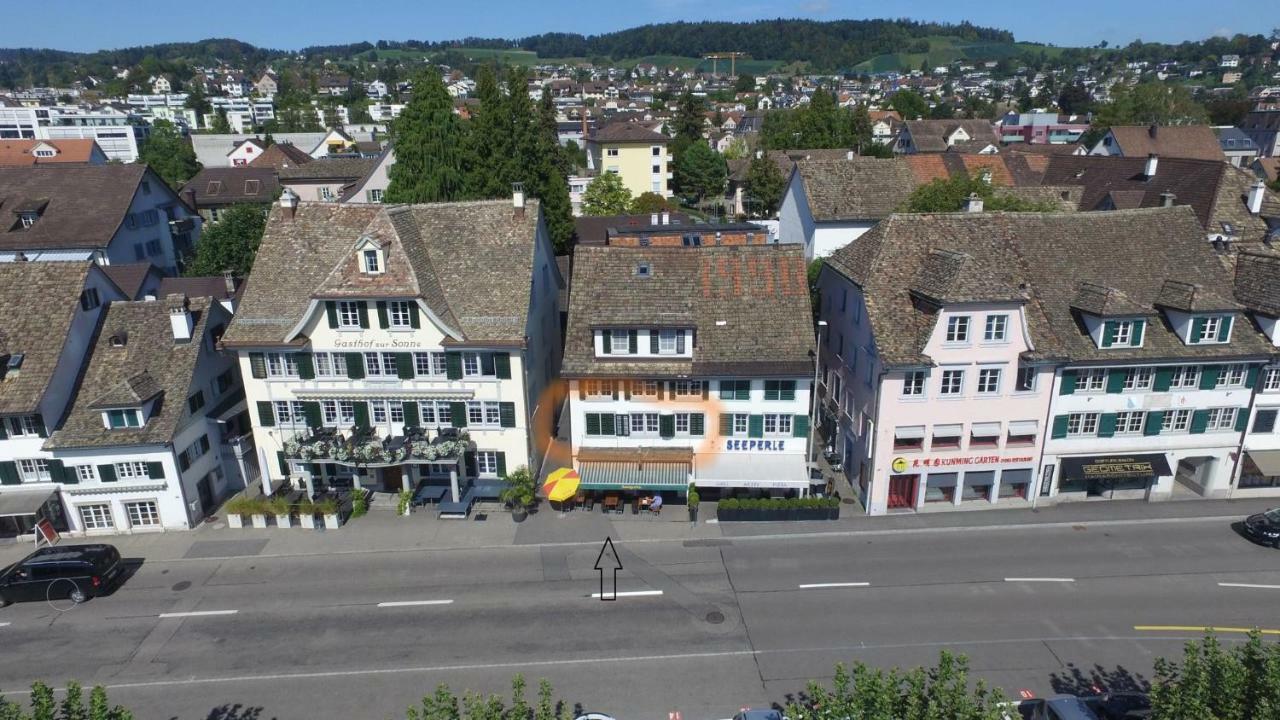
{"x":635,"y":153}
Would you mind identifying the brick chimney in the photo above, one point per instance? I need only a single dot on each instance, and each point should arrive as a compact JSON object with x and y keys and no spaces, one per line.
{"x":517,"y":200}
{"x":1256,"y":193}
{"x":289,"y":201}
{"x":179,"y":317}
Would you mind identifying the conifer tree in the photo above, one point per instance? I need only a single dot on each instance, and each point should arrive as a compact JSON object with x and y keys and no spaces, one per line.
{"x":429,"y":152}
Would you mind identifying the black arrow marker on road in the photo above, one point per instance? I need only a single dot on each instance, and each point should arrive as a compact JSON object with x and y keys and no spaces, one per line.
{"x":616,"y":564}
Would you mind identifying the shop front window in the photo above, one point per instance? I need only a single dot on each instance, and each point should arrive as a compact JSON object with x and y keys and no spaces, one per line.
{"x":940,"y":488}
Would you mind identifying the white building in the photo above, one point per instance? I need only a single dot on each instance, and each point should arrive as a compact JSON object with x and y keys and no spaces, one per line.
{"x":690,"y":366}
{"x":381,"y":323}
{"x":830,"y":203}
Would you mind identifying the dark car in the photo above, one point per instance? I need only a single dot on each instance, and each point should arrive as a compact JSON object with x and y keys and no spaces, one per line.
{"x":78,"y":572}
{"x":1264,"y":527}
{"x":1121,"y":706}
{"x":1059,"y":707}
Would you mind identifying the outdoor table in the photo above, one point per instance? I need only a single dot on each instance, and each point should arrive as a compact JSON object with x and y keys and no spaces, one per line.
{"x":610,"y":502}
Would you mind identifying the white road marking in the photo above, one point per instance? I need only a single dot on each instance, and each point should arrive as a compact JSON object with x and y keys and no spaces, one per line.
{"x":1250,"y":585}
{"x":198,"y":613}
{"x":813,"y":586}
{"x":4,"y":624}
{"x":632,"y":593}
{"x":1039,"y":579}
{"x":411,"y":603}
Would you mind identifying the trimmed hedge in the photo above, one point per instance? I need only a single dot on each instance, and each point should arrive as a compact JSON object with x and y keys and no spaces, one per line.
{"x":809,"y":508}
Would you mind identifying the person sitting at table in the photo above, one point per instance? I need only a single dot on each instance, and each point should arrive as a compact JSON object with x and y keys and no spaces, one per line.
{"x":655,"y":504}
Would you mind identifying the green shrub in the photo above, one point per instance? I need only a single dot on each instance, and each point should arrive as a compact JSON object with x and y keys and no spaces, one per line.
{"x":243,"y":505}
{"x":359,"y":503}
{"x":278,"y":505}
{"x":730,"y":504}
{"x":327,"y":506}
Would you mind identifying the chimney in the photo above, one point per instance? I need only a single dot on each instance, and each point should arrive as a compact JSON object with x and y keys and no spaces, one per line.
{"x":653,"y":219}
{"x":179,"y":317}
{"x":973,"y":204}
{"x":1152,"y":162}
{"x":1256,"y":194}
{"x":1167,"y":198}
{"x":189,"y":195}
{"x":1151,"y":131}
{"x":848,"y":155}
{"x":229,"y":282}
{"x":517,"y":200}
{"x":289,"y":201}
{"x":666,"y":217}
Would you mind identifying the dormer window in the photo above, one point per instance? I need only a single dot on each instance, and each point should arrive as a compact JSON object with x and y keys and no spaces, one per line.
{"x":1210,"y":330}
{"x":372,"y":264}
{"x":1123,"y":333}
{"x":28,"y":219}
{"x":124,"y":418}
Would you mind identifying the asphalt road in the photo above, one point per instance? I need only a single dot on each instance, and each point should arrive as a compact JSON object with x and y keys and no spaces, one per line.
{"x":742,"y":621}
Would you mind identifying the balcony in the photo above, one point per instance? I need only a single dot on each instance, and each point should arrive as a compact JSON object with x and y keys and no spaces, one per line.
{"x":364,"y":448}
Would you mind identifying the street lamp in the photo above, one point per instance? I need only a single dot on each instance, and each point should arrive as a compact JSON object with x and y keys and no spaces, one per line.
{"x":813,"y":392}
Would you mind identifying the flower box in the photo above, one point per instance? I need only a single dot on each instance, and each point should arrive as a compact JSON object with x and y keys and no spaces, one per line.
{"x":259,"y":520}
{"x":235,"y":520}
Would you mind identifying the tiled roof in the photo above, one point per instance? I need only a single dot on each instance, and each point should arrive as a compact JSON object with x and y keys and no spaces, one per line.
{"x":38,"y":301}
{"x":19,"y":152}
{"x":1189,"y":297}
{"x":1257,"y":281}
{"x":748,"y":306}
{"x":281,"y":155}
{"x":862,"y":188}
{"x":931,"y":135}
{"x":1196,"y":142}
{"x":214,"y":287}
{"x":86,"y":204}
{"x":471,"y":262}
{"x":1066,"y":197}
{"x":233,"y":185}
{"x":150,"y":367}
{"x":628,"y":132}
{"x":1049,"y":257}
{"x":338,"y":168}
{"x":129,"y":277}
{"x":595,"y":229}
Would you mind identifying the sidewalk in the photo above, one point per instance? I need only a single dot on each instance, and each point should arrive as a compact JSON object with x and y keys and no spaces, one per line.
{"x":492,"y":527}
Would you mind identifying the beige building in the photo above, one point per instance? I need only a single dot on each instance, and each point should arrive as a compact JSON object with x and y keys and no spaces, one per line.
{"x":635,"y":153}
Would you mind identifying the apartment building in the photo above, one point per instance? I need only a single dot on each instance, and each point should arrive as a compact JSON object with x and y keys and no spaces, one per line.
{"x":633,"y":152}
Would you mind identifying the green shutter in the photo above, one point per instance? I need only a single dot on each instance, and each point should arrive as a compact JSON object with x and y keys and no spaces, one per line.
{"x":355,"y":366}
{"x":1224,"y":329}
{"x":453,"y":365}
{"x":9,"y":473}
{"x":502,"y":365}
{"x":155,"y":470}
{"x":607,"y":335}
{"x":1060,"y":426}
{"x":788,"y":389}
{"x":697,"y":424}
{"x":608,"y":424}
{"x":1155,"y":421}
{"x":1242,"y":419}
{"x":1197,"y":327}
{"x":1138,"y":327}
{"x":306,"y":366}
{"x":382,"y":315}
{"x":800,"y":426}
{"x":726,"y":389}
{"x":507,"y":412}
{"x":1109,"y":333}
{"x":1115,"y":380}
{"x":593,"y":423}
{"x":653,"y":342}
{"x":56,"y":470}
{"x":1164,"y":379}
{"x":283,"y":461}
{"x":4,"y":433}
{"x":1199,"y":421}
{"x":755,"y":426}
{"x":743,"y":390}
{"x":414,"y":322}
{"x":458,"y":414}
{"x":771,"y":390}
{"x":667,"y":426}
{"x":1251,"y":379}
{"x":266,"y":414}
{"x":1209,"y":375}
{"x":257,"y":365}
{"x":361,"y":410}
{"x":107,"y":473}
{"x":404,"y":366}
{"x":502,"y":463}
{"x":41,"y":430}
{"x":70,"y":476}
{"x":311,"y":410}
{"x":1107,"y":425}
{"x":726,"y":425}
{"x":362,"y":308}
{"x":331,"y":310}
{"x":633,"y":343}
{"x":411,"y":416}
{"x":1068,"y":385}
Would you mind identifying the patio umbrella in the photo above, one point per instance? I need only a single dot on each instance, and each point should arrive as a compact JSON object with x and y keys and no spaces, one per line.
{"x":561,"y":484}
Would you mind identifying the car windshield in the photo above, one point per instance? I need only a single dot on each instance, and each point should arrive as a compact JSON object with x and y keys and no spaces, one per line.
{"x":1273,"y":515}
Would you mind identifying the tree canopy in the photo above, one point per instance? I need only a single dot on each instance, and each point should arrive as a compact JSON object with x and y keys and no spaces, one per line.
{"x":230,"y":244}
{"x":943,"y":692}
{"x":169,"y":154}
{"x":700,"y":172}
{"x":429,"y":147}
{"x":606,"y":195}
{"x":765,"y":186}
{"x":820,"y":124}
{"x":951,"y":194}
{"x":1237,"y":683}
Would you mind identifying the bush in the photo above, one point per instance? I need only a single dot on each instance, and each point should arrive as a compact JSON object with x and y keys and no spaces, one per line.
{"x":278,"y":505}
{"x":730,"y":504}
{"x":359,"y":502}
{"x":327,"y":506}
{"x":243,"y":505}
{"x":402,"y":503}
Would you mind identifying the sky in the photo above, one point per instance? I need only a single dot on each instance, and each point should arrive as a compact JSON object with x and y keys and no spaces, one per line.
{"x":83,"y":25}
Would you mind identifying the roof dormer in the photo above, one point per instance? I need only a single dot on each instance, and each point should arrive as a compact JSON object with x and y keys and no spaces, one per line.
{"x":372,"y":259}
{"x":1113,"y":319}
{"x":1198,"y":315}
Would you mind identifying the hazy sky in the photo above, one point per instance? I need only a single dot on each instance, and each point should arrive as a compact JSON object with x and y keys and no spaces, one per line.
{"x":84,"y":25}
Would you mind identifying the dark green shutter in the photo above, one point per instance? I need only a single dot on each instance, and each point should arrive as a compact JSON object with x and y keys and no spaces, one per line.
{"x":755,"y":426}
{"x":771,"y":391}
{"x":1209,"y":375}
{"x":800,"y":426}
{"x":788,"y":390}
{"x":726,"y":424}
{"x":1199,"y":421}
{"x":458,"y":414}
{"x":1060,"y":426}
{"x":697,"y":424}
{"x":56,"y":470}
{"x":1115,"y":380}
{"x":1138,"y":327}
{"x":653,"y":342}
{"x":1242,"y":419}
{"x":1224,"y":329}
{"x":382,"y":315}
{"x":726,"y":390}
{"x":1068,"y":386}
{"x":266,"y":414}
{"x":155,"y":470}
{"x":593,"y":423}
{"x":608,"y":424}
{"x":355,"y":365}
{"x":257,"y":365}
{"x":607,"y":335}
{"x":453,"y":365}
{"x":743,"y":391}
{"x":404,"y":366}
{"x":1155,"y":421}
{"x":306,"y":366}
{"x":1251,"y":379}
{"x":64,"y":475}
{"x":9,"y":473}
{"x":361,"y":411}
{"x":4,"y":433}
{"x":633,"y":343}
{"x":107,"y":473}
{"x":362,"y":308}
{"x":41,"y":431}
{"x":667,"y":426}
{"x":1197,"y":327}
{"x":411,"y":416}
{"x":507,"y":413}
{"x":284,"y":462}
{"x":311,"y":411}
{"x":331,"y":310}
{"x":502,"y":365}
{"x":1164,"y":379}
{"x":502,"y":463}
{"x":414,"y":322}
{"x":1109,"y":333}
{"x":1107,"y":425}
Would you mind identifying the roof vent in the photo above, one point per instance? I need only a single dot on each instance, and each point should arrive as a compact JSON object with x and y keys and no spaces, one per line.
{"x":644,"y":270}
{"x":119,"y":339}
{"x":1256,"y":193}
{"x":13,"y":365}
{"x":1167,"y":198}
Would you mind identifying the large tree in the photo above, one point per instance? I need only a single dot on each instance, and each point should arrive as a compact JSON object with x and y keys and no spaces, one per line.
{"x":606,"y":195}
{"x":950,"y":195}
{"x":765,"y":186}
{"x":549,"y":179}
{"x":1147,"y":103}
{"x":942,"y":692}
{"x":169,"y":154}
{"x":700,"y":172}
{"x":488,"y":143}
{"x":1238,"y":683}
{"x":230,"y":244}
{"x":909,"y":104}
{"x":429,"y":138}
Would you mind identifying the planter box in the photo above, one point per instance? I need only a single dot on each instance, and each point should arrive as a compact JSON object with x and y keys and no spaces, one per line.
{"x":259,"y":521}
{"x":284,"y":521}
{"x":235,"y":520}
{"x":307,"y":520}
{"x":758,"y":515}
{"x":332,"y":522}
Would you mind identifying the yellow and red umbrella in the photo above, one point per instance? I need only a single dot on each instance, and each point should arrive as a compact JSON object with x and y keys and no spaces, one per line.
{"x":561,"y":484}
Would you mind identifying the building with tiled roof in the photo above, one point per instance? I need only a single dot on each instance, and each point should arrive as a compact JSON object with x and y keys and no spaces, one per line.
{"x":1194,"y":142}
{"x":216,"y":189}
{"x":281,"y":155}
{"x":392,"y":321}
{"x":18,"y":153}
{"x":698,"y":357}
{"x":134,"y":280}
{"x":634,"y":152}
{"x":936,"y":136}
{"x":1118,"y":327}
{"x":326,"y":179}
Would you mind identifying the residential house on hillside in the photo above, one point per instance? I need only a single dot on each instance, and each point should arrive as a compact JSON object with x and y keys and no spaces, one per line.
{"x":1263,"y":127}
{"x":1196,"y":142}
{"x":1041,"y":128}
{"x":268,"y":85}
{"x":19,"y":153}
{"x":245,"y":152}
{"x":633,"y":152}
{"x":325,"y":180}
{"x":281,"y":155}
{"x":371,"y":187}
{"x":215,"y":190}
{"x":935,"y":136}
{"x":105,"y":213}
{"x":1239,"y":149}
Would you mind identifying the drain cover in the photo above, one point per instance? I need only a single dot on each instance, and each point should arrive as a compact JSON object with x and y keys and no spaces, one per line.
{"x":715,"y":617}
{"x":180,"y":586}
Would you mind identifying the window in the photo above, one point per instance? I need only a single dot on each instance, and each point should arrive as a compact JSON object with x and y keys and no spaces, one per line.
{"x":24,"y":426}
{"x":476,"y":364}
{"x":326,"y":192}
{"x":666,"y":342}
{"x":779,"y":389}
{"x":1176,"y":421}
{"x":644,"y":423}
{"x":1091,"y":381}
{"x":431,"y":412}
{"x":1022,"y":432}
{"x":1138,"y":379}
{"x":378,"y":411}
{"x":682,"y":423}
{"x":984,"y":434}
{"x":380,"y":364}
{"x":117,"y":419}
{"x":602,"y":389}
{"x":735,"y":390}
{"x":132,"y":471}
{"x":338,"y":412}
{"x":1123,"y":333}
{"x":484,"y":413}
{"x":153,"y":248}
{"x":1264,"y":421}
{"x":1221,"y":419}
{"x":946,"y":437}
{"x":397,"y":412}
{"x":910,"y":437}
{"x":89,"y":299}
{"x":777,"y":425}
{"x":282,"y":365}
{"x":740,"y":422}
{"x":958,"y":329}
{"x":997,"y":329}
{"x":1185,"y":376}
{"x":487,"y":462}
{"x":1130,"y":423}
{"x":329,"y":364}
{"x":989,"y":380}
{"x":289,"y":412}
{"x":34,"y":470}
{"x":429,"y":363}
{"x":913,"y":383}
{"x":1026,"y":380}
{"x":619,"y":343}
{"x":1208,"y":330}
{"x":1082,"y":423}
{"x":656,"y":150}
{"x":611,"y":152}
{"x":1271,"y":380}
{"x":195,"y":402}
{"x":142,"y":514}
{"x":372,"y":265}
{"x":96,"y":516}
{"x":1233,"y":376}
{"x":952,"y":382}
{"x":348,"y":314}
{"x":373,"y":195}
{"x":686,"y":389}
{"x":644,"y":388}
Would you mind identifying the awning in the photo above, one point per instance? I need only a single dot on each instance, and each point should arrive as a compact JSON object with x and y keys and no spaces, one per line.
{"x":947,"y":430}
{"x":909,"y":432}
{"x":634,"y":476}
{"x":1267,"y":461}
{"x":23,"y":502}
{"x":1115,"y":467}
{"x":1023,"y":427}
{"x":985,"y":429}
{"x":752,"y":470}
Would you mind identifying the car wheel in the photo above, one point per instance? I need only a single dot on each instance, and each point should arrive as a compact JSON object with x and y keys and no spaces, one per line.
{"x":78,"y":596}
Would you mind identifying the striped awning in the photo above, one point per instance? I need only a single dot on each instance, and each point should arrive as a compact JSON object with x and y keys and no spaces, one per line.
{"x":634,"y":476}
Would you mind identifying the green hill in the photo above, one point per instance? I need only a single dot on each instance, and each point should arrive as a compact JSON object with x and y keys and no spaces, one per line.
{"x":944,"y":49}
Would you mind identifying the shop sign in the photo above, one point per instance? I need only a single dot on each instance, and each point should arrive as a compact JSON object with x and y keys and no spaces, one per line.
{"x":392,"y":344}
{"x":901,"y":464}
{"x":755,"y":445}
{"x":1115,"y":467}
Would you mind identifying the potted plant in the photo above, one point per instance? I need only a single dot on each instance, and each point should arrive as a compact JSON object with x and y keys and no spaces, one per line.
{"x":693,"y":501}
{"x":727,"y":509}
{"x":359,"y":502}
{"x":279,"y":506}
{"x":307,"y":513}
{"x":520,"y":492}
{"x":404,"y":504}
{"x":236,"y":508}
{"x":328,"y":508}
{"x":258,"y":512}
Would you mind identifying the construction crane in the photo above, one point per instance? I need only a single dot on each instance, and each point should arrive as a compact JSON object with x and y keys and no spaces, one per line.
{"x":732,"y":57}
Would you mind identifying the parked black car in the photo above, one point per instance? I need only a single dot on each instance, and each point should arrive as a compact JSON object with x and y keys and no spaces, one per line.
{"x":1264,"y":527}
{"x":78,"y":572}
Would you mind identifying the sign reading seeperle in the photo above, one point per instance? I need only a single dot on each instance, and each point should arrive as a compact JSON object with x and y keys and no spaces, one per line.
{"x":755,"y":445}
{"x":901,"y":464}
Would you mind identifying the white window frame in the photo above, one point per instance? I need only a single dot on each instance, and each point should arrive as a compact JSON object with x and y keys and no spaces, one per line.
{"x":371,"y":262}
{"x":346,"y":412}
{"x":398,"y":314}
{"x":1027,"y":379}
{"x":1139,"y":379}
{"x":142,"y":513}
{"x":948,"y":375}
{"x":397,"y":411}
{"x":1185,"y":377}
{"x":348,"y":312}
{"x":1130,"y":422}
{"x":682,"y":423}
{"x":777,"y":425}
{"x":1209,"y":333}
{"x":614,"y":339}
{"x":1271,"y":380}
{"x":34,"y":470}
{"x":292,"y":415}
{"x":997,"y":328}
{"x":1083,"y":424}
{"x":85,"y":473}
{"x":378,"y":411}
{"x":96,"y":516}
{"x":1221,"y":419}
{"x":282,"y":364}
{"x":126,"y":414}
{"x":645,"y":424}
{"x":329,"y":411}
{"x":957,"y":329}
{"x":1124,"y":334}
{"x":132,"y":470}
{"x":598,"y":389}
{"x":913,"y":384}
{"x":484,"y":413}
{"x":1176,"y":421}
{"x":1091,"y":380}
{"x":644,"y":389}
{"x":1233,"y":376}
{"x":329,"y":364}
{"x":666,"y":342}
{"x":741,"y":424}
{"x":23,"y":426}
{"x":987,"y":384}
{"x":487,"y":463}
{"x":429,"y":364}
{"x":686,"y":389}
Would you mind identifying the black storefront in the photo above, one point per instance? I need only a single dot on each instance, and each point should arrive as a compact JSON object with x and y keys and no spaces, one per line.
{"x":1099,"y":475}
